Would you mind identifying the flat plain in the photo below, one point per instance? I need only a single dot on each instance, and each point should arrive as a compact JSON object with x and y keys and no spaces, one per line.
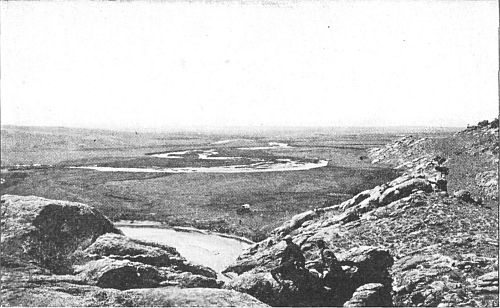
{"x":38,"y":161}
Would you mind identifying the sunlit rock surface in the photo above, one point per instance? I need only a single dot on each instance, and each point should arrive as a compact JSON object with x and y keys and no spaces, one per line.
{"x":59,"y":253}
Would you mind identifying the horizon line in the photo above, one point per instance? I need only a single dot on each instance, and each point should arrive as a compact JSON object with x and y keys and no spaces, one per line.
{"x":228,"y":127}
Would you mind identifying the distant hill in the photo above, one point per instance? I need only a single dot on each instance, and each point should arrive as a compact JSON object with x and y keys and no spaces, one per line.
{"x":50,"y":145}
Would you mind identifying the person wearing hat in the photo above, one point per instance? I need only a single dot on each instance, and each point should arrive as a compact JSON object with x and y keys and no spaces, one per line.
{"x":328,"y":258}
{"x":292,"y":259}
{"x":335,"y":277}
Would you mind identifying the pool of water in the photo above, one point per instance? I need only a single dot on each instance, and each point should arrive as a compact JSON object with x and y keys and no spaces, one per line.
{"x":209,"y":249}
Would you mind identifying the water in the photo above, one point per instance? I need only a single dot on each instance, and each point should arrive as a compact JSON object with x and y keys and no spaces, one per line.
{"x":268,"y":166}
{"x":258,"y":165}
{"x":207,"y":249}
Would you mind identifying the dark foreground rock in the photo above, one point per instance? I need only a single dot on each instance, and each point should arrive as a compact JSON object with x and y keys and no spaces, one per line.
{"x":61,"y":294}
{"x":58,"y":253}
{"x":49,"y":232}
{"x":370,"y":295}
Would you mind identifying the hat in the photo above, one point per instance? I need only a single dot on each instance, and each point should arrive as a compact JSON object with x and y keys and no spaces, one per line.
{"x":287,"y":238}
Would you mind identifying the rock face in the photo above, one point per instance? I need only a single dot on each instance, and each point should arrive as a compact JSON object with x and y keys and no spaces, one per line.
{"x":63,"y":294}
{"x":42,"y":239}
{"x":120,"y":247}
{"x":488,"y":181}
{"x":406,"y":242}
{"x":49,"y":232}
{"x":370,"y":295}
{"x":488,"y":283}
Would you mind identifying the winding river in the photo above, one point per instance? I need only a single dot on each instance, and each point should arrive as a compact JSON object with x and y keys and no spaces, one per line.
{"x":258,"y":165}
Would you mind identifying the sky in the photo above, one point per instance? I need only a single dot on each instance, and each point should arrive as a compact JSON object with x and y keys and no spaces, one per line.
{"x":161,"y":64}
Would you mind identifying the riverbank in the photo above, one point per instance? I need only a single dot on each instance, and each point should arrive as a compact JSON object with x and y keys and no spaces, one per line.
{"x":198,"y":246}
{"x":210,"y":201}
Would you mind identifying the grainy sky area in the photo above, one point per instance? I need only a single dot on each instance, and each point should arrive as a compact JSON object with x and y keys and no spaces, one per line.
{"x":229,"y":63}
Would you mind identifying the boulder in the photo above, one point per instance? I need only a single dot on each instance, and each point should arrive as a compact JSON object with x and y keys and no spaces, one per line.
{"x":295,"y":222}
{"x":404,"y":189}
{"x":372,"y":265}
{"x":121,"y":247}
{"x":187,"y":280}
{"x":483,"y":123}
{"x":49,"y":232}
{"x":118,"y":274}
{"x":259,"y":285}
{"x":370,"y":295}
{"x":355,"y":200}
{"x":487,"y":283}
{"x":303,"y":289}
{"x":464,"y":195}
{"x":488,"y":181}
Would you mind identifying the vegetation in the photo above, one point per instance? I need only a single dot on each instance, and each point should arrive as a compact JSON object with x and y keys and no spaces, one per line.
{"x":203,"y":200}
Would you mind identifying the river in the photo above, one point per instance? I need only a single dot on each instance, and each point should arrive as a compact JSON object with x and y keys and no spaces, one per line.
{"x":258,"y":165}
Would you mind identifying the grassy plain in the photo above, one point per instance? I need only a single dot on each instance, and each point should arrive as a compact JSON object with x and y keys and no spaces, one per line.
{"x":204,"y":200}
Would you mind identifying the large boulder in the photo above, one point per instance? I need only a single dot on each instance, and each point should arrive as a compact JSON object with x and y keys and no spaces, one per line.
{"x":404,"y":190}
{"x":49,"y":232}
{"x":370,"y":295}
{"x":260,"y":285}
{"x":295,"y":222}
{"x":119,"y":274}
{"x":372,"y":264}
{"x":488,"y":283}
{"x":120,"y":247}
{"x":187,"y":280}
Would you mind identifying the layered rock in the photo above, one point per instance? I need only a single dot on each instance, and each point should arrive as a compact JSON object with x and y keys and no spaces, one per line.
{"x":42,"y":239}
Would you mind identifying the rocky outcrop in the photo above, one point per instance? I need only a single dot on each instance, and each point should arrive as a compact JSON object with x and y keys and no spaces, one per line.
{"x":488,"y":283}
{"x":50,"y":233}
{"x":101,"y":266}
{"x":488,"y":182}
{"x":62,"y":294}
{"x":370,"y":295}
{"x":444,"y":248}
{"x":120,"y":247}
{"x":368,"y":264}
{"x":118,"y":274}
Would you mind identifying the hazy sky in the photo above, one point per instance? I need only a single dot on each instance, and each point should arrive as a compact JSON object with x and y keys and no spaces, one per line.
{"x":326,"y":63}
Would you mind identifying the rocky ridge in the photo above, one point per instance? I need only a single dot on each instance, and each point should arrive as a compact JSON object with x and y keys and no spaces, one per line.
{"x":411,"y":243}
{"x":59,"y":253}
